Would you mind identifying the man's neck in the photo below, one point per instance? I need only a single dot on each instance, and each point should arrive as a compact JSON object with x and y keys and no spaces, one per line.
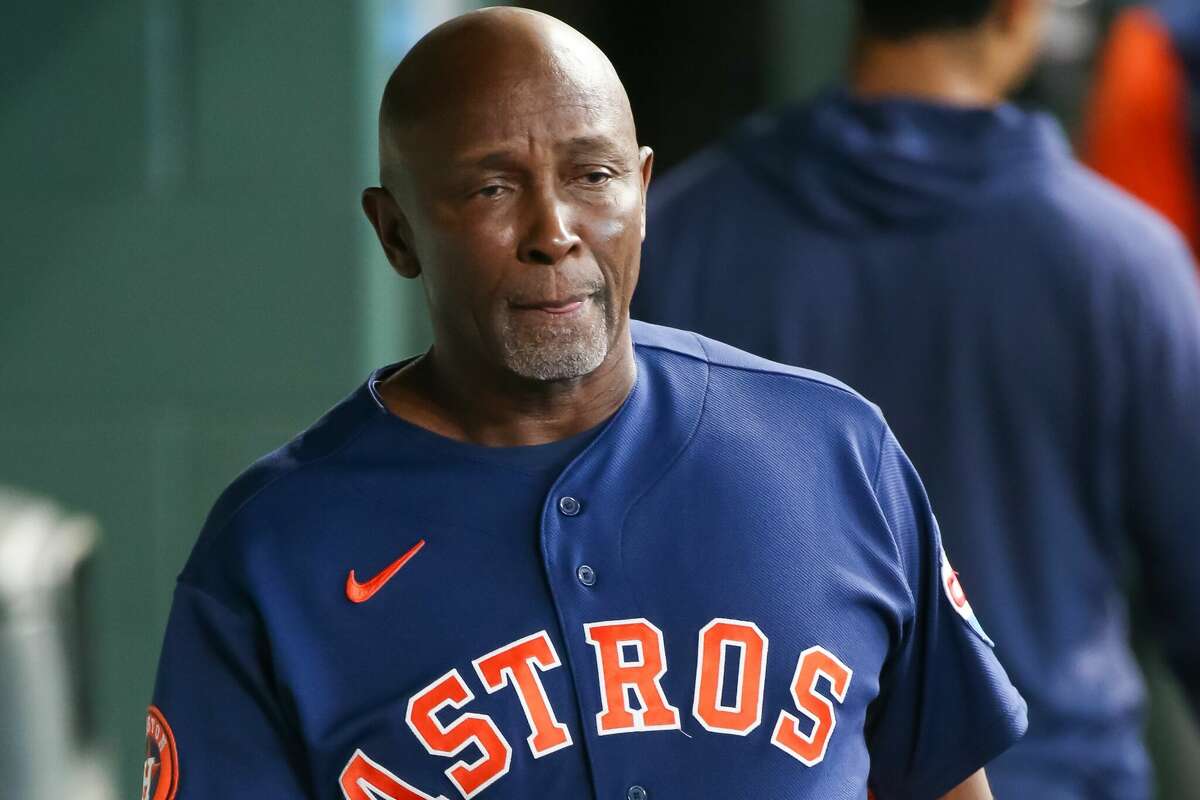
{"x":497,"y":409}
{"x":945,"y":69}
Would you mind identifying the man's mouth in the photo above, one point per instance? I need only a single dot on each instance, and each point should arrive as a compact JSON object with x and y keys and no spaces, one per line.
{"x":554,"y":306}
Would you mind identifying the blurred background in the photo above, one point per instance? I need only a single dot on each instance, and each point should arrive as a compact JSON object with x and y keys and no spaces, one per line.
{"x":188,"y":281}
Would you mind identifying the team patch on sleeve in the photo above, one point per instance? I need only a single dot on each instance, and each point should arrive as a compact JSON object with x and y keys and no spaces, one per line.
{"x":160,"y":772}
{"x":958,"y":599}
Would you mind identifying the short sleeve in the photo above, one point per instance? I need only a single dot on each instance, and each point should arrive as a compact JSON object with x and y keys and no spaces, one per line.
{"x":216,"y":728}
{"x":946,"y":706}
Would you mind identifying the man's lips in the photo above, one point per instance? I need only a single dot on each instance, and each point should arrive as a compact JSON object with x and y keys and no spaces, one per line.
{"x":556,"y":307}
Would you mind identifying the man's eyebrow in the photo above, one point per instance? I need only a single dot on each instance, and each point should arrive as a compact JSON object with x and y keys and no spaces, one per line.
{"x":598,"y":145}
{"x":592,"y":144}
{"x":494,"y":159}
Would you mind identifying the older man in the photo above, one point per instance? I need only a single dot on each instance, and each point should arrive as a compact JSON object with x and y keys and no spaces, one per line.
{"x":560,"y":553}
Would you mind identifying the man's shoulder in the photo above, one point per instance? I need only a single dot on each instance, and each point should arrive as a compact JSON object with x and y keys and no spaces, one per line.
{"x":773,"y":384}
{"x":1074,"y":201}
{"x":1084,"y":232}
{"x":701,"y":184}
{"x":272,"y":479}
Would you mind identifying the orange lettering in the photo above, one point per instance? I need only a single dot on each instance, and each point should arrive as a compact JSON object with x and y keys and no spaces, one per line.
{"x":746,"y":714}
{"x":514,"y":664}
{"x":814,"y":663}
{"x":477,"y":729}
{"x":363,"y":779}
{"x":643,"y":675}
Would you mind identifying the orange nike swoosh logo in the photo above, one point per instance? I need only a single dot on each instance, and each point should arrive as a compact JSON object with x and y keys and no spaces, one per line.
{"x":362,"y":592}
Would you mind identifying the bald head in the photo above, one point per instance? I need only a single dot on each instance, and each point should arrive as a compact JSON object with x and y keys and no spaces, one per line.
{"x":515,"y":189}
{"x":484,"y":68}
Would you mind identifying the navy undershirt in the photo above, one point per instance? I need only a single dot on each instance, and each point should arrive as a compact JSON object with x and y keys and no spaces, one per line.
{"x":542,"y":462}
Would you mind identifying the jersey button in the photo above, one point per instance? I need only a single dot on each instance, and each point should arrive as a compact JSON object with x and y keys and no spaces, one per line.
{"x":569,"y":506}
{"x":636,"y":793}
{"x":587,"y":576}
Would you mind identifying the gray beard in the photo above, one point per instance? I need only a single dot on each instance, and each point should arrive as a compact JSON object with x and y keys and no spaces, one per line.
{"x":558,"y":352}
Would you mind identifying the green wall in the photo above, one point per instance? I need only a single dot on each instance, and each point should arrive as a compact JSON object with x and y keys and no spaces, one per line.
{"x":187,"y":277}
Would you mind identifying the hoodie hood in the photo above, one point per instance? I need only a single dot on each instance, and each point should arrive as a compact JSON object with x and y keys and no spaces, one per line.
{"x":856,"y":164}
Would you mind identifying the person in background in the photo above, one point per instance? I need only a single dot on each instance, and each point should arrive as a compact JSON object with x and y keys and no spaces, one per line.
{"x":1142,"y":129}
{"x":1031,"y":332}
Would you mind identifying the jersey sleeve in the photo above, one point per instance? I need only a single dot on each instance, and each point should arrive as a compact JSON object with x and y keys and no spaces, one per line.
{"x":1162,"y":447}
{"x":216,"y":727}
{"x":946,"y":706}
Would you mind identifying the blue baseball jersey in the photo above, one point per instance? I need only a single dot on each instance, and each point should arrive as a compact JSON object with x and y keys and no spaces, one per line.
{"x":1033,"y":336}
{"x":733,"y":588}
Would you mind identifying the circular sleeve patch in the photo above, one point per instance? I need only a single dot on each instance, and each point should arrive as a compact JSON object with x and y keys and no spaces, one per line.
{"x":160,"y":772}
{"x":958,"y":599}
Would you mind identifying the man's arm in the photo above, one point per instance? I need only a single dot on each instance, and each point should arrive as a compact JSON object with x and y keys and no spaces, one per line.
{"x":973,"y":788}
{"x":225,"y":734}
{"x":945,"y":707}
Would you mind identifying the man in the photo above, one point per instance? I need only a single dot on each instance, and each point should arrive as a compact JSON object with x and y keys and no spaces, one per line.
{"x":561,"y":554}
{"x":1031,"y":333}
{"x":1143,"y":129}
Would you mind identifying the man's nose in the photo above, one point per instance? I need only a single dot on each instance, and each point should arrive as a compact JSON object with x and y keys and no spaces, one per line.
{"x":548,"y":237}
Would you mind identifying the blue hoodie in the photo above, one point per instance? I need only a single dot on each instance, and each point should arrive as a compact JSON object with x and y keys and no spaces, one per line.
{"x":1033,"y":336}
{"x":1182,"y":19}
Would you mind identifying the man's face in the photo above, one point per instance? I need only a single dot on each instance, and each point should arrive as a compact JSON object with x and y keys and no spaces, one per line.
{"x":527,"y":208}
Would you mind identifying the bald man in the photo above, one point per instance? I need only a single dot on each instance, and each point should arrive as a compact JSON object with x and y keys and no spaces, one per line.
{"x":562,"y":554}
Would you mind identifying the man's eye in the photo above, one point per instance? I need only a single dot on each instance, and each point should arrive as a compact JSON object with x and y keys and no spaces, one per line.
{"x":492,"y":191}
{"x":597,"y":178}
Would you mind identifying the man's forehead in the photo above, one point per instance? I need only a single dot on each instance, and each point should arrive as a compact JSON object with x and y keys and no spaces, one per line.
{"x":523,"y":121}
{"x":505,"y":154}
{"x":501,"y":81}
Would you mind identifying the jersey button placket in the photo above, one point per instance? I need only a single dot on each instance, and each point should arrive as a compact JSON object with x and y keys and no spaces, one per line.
{"x":570,"y":507}
{"x":580,"y":537}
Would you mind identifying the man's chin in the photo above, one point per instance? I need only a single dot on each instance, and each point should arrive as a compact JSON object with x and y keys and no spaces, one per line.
{"x":547,"y":365}
{"x":555,"y":352}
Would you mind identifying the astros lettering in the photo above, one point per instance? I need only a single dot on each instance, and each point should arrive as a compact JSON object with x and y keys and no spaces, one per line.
{"x":631,"y":659}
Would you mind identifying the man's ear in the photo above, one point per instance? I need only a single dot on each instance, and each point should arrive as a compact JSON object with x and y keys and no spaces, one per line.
{"x":646,"y":158}
{"x":393,"y":230}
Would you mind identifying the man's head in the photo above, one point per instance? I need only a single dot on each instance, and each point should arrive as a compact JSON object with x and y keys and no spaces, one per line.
{"x":513,"y":185}
{"x":1002,"y":35}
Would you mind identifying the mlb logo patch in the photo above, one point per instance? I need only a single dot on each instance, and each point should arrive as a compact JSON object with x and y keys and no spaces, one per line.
{"x":958,"y":599}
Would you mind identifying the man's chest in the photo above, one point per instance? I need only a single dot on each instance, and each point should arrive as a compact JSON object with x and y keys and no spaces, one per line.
{"x":675,"y":654}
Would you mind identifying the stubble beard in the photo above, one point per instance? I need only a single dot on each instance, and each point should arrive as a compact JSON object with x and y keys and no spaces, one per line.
{"x":559,"y":350}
